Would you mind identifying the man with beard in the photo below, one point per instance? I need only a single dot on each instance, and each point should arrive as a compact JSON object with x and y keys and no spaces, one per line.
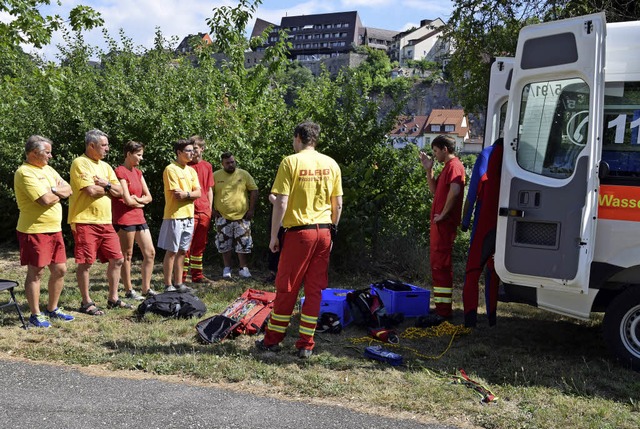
{"x":234,"y":194}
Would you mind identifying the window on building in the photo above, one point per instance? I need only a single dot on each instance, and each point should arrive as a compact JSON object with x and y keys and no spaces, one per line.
{"x":345,"y":25}
{"x":328,"y":26}
{"x":449,"y":128}
{"x":435,"y":128}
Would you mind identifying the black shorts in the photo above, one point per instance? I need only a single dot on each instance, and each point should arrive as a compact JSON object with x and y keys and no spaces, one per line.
{"x":131,"y":228}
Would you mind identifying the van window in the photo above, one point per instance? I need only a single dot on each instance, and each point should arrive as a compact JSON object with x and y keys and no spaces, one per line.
{"x":621,"y":144}
{"x":553,"y":126}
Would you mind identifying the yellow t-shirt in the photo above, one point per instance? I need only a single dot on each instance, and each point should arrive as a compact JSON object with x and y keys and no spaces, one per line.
{"x":309,"y":179}
{"x":82,"y":207}
{"x":230,"y":193}
{"x":185,"y":178}
{"x":29,"y":184}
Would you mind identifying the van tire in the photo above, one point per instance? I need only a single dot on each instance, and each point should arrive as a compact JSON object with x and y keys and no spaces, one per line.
{"x":622,"y":327}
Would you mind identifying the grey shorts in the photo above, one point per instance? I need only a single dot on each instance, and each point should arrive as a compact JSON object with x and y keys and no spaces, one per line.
{"x":176,"y":234}
{"x":233,"y":235}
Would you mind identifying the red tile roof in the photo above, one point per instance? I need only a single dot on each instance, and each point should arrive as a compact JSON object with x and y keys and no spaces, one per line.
{"x":409,"y":126}
{"x":455,"y":117}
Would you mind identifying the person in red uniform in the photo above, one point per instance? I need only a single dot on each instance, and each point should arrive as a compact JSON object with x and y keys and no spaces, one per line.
{"x":308,"y":190}
{"x":202,"y":215}
{"x":129,"y":221}
{"x":446,"y":212}
{"x":483,"y":245}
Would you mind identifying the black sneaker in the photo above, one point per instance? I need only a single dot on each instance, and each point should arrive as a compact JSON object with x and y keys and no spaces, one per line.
{"x":274,"y":348}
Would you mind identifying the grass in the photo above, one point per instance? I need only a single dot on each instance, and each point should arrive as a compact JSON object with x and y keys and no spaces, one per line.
{"x":548,"y":371}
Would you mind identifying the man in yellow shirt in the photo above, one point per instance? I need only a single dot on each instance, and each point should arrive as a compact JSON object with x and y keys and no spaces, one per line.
{"x":234,"y":213}
{"x":308,"y":189}
{"x":39,"y":189}
{"x":94,"y":183}
{"x":181,"y":188}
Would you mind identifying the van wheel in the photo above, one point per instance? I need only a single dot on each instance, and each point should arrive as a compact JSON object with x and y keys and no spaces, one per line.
{"x":622,"y":327}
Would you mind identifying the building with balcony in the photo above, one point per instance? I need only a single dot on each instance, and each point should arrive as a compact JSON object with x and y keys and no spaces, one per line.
{"x":314,"y":37}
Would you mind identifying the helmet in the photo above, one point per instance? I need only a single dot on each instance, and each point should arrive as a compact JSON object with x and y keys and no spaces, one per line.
{"x":329,"y":322}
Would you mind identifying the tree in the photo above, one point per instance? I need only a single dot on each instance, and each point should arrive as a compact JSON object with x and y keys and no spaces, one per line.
{"x":481,"y":30}
{"x":28,"y":26}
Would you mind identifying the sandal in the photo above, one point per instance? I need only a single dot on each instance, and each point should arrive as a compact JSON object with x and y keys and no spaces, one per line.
{"x":91,"y":309}
{"x":118,"y":304}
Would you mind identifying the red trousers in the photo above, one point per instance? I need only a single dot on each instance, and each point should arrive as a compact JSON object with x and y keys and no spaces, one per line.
{"x":193,"y":258}
{"x":470,"y":292}
{"x":304,"y":259}
{"x":442,"y":236}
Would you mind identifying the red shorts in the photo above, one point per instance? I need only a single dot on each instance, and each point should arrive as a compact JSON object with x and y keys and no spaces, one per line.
{"x":95,"y":241}
{"x":41,"y":250}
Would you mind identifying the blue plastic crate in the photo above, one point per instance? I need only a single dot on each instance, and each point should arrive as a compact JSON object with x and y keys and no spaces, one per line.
{"x":412,"y":303}
{"x":335,"y":301}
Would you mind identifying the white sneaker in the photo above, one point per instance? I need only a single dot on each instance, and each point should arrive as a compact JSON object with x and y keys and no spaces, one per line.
{"x":226,"y":273}
{"x":244,"y":273}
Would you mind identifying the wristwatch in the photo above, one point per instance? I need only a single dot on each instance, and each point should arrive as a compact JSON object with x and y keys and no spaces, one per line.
{"x":107,"y":187}
{"x":53,"y":189}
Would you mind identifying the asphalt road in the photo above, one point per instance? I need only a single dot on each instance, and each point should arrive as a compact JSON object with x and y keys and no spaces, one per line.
{"x":47,"y":396}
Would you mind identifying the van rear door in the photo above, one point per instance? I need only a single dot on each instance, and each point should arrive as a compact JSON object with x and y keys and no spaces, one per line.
{"x":501,"y":73}
{"x":548,"y":195}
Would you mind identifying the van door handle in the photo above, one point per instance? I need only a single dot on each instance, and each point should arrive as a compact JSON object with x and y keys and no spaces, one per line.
{"x":507,"y":212}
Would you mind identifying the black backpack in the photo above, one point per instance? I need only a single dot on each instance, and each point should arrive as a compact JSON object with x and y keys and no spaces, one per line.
{"x":173,"y":304}
{"x":366,"y":307}
{"x":368,"y":310}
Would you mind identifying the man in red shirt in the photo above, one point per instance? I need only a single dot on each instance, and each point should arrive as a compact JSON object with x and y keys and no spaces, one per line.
{"x":446,"y":212}
{"x":202,"y":216}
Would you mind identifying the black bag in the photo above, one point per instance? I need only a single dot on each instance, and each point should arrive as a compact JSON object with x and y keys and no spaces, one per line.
{"x":173,"y":304}
{"x":215,"y":329}
{"x":366,"y":307}
{"x":248,"y":315}
{"x":368,"y":310}
{"x":393,"y":285}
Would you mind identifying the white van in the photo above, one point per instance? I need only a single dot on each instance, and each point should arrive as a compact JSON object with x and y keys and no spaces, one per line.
{"x":568,"y":235}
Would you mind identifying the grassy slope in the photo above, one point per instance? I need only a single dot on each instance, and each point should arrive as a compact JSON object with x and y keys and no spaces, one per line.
{"x":548,"y":371}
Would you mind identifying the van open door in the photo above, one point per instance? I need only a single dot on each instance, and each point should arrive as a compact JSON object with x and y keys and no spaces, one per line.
{"x":552,"y":145}
{"x":501,"y":73}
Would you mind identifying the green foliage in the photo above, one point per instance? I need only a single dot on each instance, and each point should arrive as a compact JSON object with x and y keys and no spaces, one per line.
{"x":155,"y":97}
{"x":29,"y":26}
{"x":482,"y":30}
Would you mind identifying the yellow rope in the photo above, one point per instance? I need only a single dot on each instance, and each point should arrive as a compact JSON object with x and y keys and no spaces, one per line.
{"x":444,"y":328}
